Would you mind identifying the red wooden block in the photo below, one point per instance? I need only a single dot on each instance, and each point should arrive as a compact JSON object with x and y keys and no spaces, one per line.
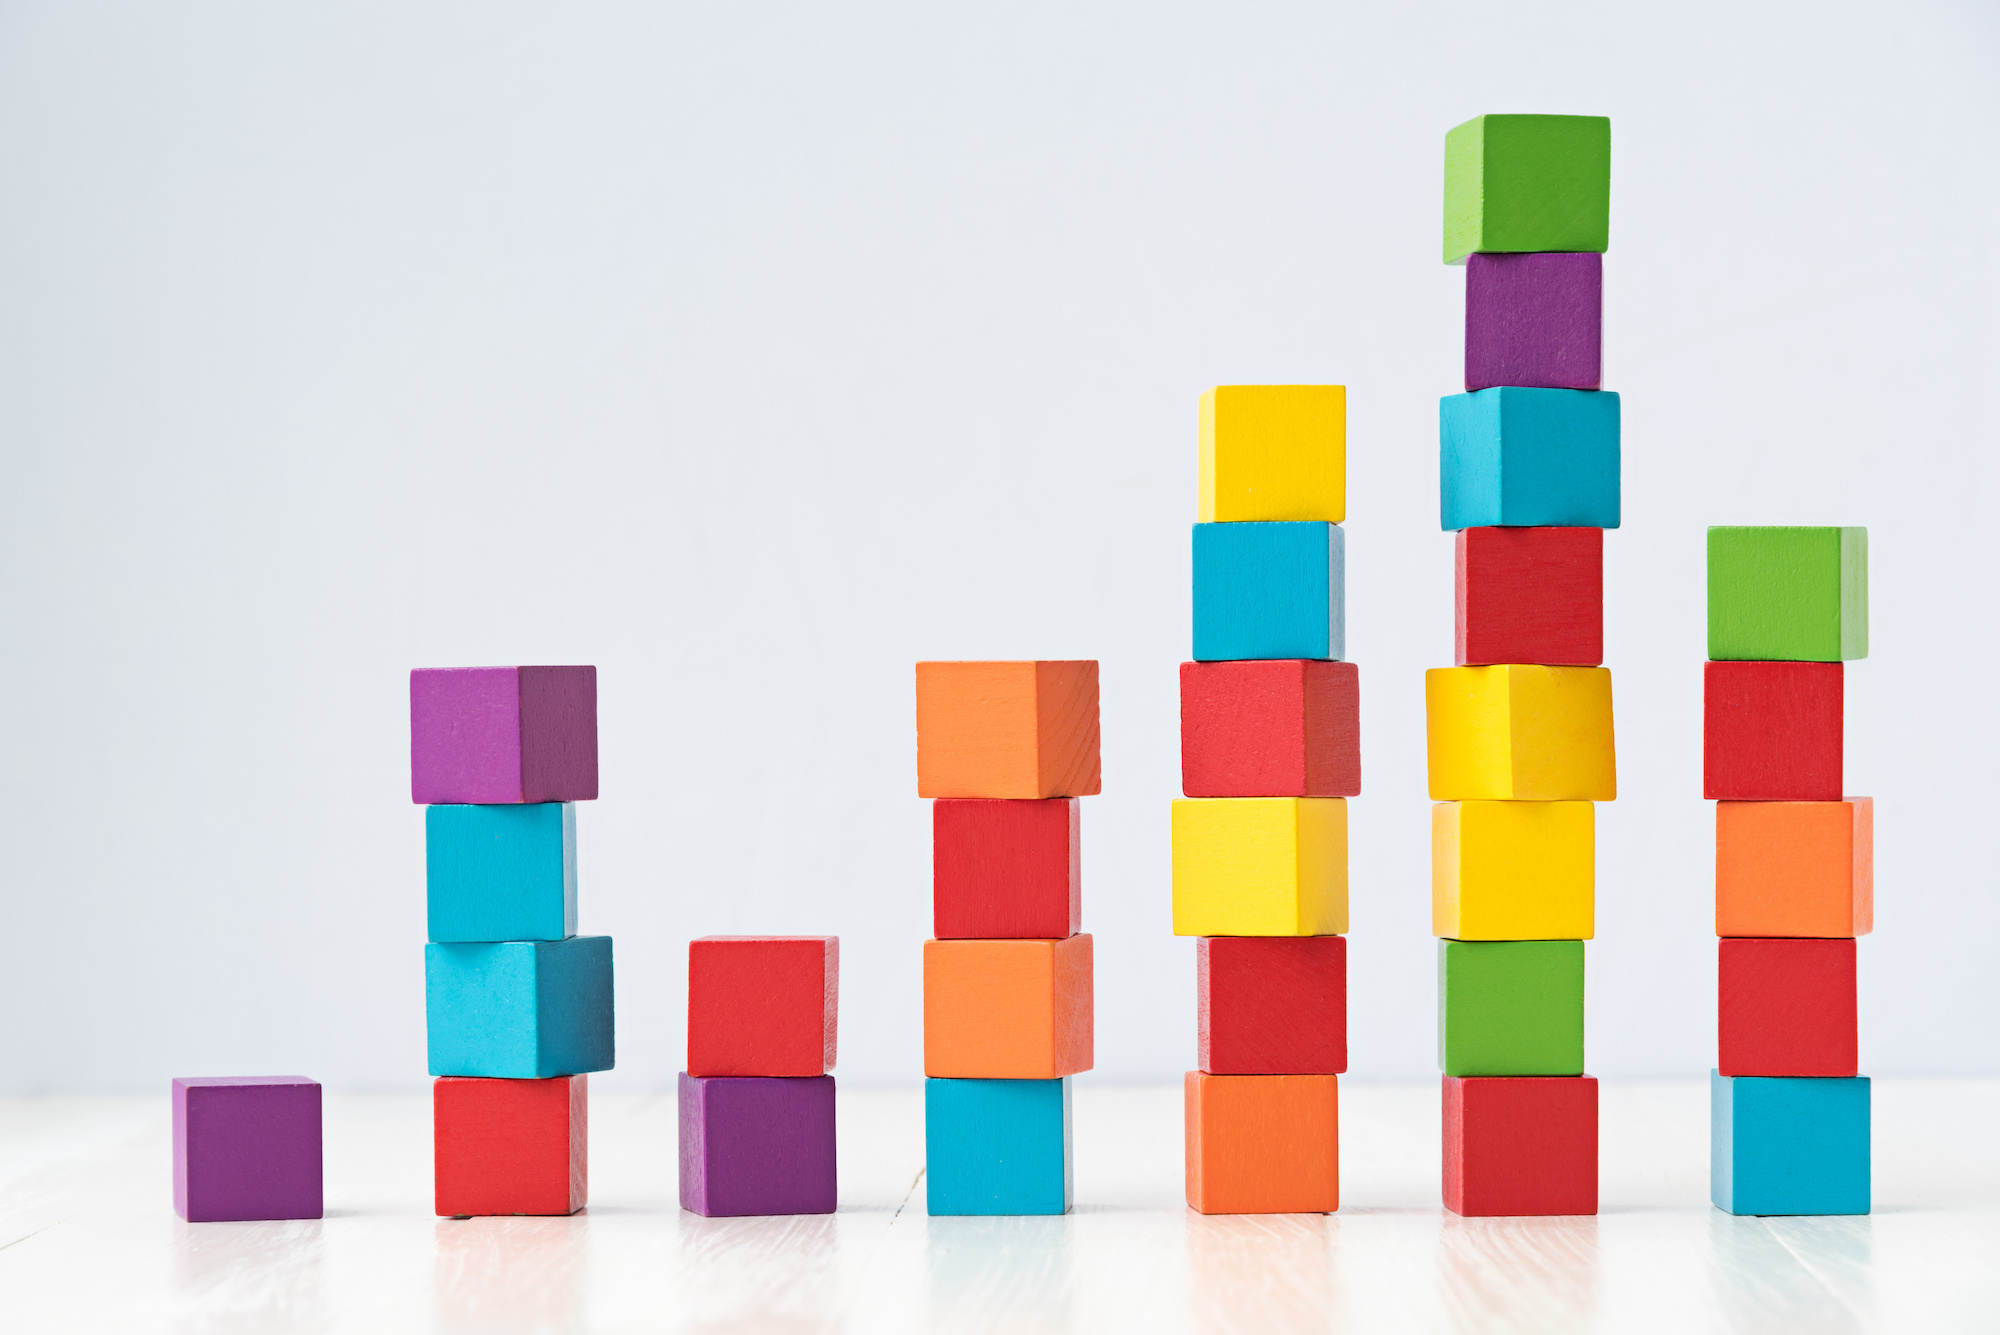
{"x":762,"y":1005}
{"x":1771,"y":732}
{"x":1786,"y":1006}
{"x":510,"y":1146}
{"x":1272,"y":1005}
{"x":1283,"y":727}
{"x":1516,"y":1145}
{"x":1006,"y":868}
{"x":1530,"y":595}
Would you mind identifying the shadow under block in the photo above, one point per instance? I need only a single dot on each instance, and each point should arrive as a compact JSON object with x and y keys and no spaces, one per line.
{"x":1527,"y":183}
{"x":1263,"y":1144}
{"x":758,"y":1145}
{"x":1260,"y":866}
{"x":1529,"y":595}
{"x":1287,"y":727}
{"x":1271,"y":1005}
{"x":1788,"y":1146}
{"x":1520,"y":733}
{"x":1534,"y":320}
{"x":1008,"y":1010}
{"x":1529,"y":458}
{"x":1007,"y":729}
{"x":1786,"y":1007}
{"x":519,"y":1010}
{"x":762,"y":1005}
{"x":1514,"y":871}
{"x":1273,"y":452}
{"x":1772,"y":732}
{"x":1793,"y":594}
{"x":503,"y":734}
{"x":1520,"y":1145}
{"x":511,"y":1146}
{"x":247,"y":1147}
{"x":1004,"y":868}
{"x":1269,"y":591}
{"x":501,"y":873}
{"x":997,"y":1147}
{"x":1795,"y":868}
{"x":1510,"y":1008}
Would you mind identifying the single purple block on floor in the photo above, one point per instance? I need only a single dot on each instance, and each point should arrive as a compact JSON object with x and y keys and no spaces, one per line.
{"x":1534,"y":320}
{"x":757,"y":1145}
{"x":497,"y":735}
{"x":247,"y":1147}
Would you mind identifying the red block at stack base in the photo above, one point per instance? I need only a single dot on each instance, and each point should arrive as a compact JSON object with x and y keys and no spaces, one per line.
{"x":1006,"y":868}
{"x":1270,"y":728}
{"x":1786,"y":1006}
{"x":1530,"y":595}
{"x":1520,"y":1145}
{"x":1272,"y":1005}
{"x":762,"y":1005}
{"x":510,"y":1146}
{"x":1771,"y":732}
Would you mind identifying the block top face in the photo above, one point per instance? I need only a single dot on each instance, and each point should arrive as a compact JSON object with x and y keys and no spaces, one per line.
{"x":501,"y":735}
{"x":1273,"y":452}
{"x":238,"y":1081}
{"x":1024,"y":729}
{"x":1527,"y":183}
{"x":1787,"y":593}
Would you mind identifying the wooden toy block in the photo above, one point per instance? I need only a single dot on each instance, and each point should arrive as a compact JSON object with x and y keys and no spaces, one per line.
{"x":247,"y":1147}
{"x":1273,"y":452}
{"x":501,"y":873}
{"x":1006,"y":868}
{"x":1527,"y":183}
{"x":1786,"y":1007}
{"x":1023,"y":729}
{"x":1271,"y":1005}
{"x":1520,"y":1145}
{"x":1795,"y":868}
{"x":519,"y":1010}
{"x":1534,"y":320}
{"x":1514,"y":871}
{"x":1788,"y":1146}
{"x":1260,"y":866}
{"x":511,"y":1146}
{"x":1269,"y":591}
{"x":758,"y":1145}
{"x":1518,"y":732}
{"x":1530,"y":595}
{"x":1510,"y":1008}
{"x":1772,"y":732}
{"x":997,"y":1146}
{"x":503,"y":734}
{"x":762,"y":1005}
{"x":1007,"y":1010}
{"x":1529,"y":458}
{"x":1793,"y":594}
{"x":1263,"y":1144}
{"x":1288,"y":727}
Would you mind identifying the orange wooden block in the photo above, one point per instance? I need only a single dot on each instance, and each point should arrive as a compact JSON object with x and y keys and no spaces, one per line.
{"x":1023,"y":729}
{"x":1795,"y":868}
{"x":1263,"y":1144}
{"x":1007,"y":1009}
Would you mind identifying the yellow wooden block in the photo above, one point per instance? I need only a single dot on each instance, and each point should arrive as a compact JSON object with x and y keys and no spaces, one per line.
{"x":1520,"y":733}
{"x":1260,"y":866}
{"x":1514,"y":871}
{"x":1273,"y":452}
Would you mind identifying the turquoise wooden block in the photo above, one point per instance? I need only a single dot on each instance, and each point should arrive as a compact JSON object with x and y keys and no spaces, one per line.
{"x":501,"y":873}
{"x":1781,"y":1145}
{"x":997,"y":1146}
{"x":1529,"y":458}
{"x":519,"y":1010}
{"x":1269,"y":590}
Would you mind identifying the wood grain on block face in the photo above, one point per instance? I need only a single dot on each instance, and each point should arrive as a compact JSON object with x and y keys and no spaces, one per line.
{"x":247,"y":1147}
{"x":997,"y":1147}
{"x":1271,"y":1005}
{"x":1527,"y":183}
{"x":1273,"y":452}
{"x":1795,"y":868}
{"x":1530,"y":595}
{"x":1789,"y":1146}
{"x":1514,"y":871}
{"x":1772,"y":732}
{"x":1283,"y":728}
{"x":1520,"y":732}
{"x":1269,"y":591}
{"x":1007,"y":729}
{"x":1002,"y":868}
{"x":1529,"y":458}
{"x":1788,"y":594}
{"x":1534,"y":320}
{"x":1786,"y":1007}
{"x":1008,"y":1010}
{"x":511,"y":1146}
{"x":1520,"y":1145}
{"x":758,"y":1145}
{"x":501,"y":873}
{"x":503,"y":734}
{"x":519,"y":1010}
{"x":763,"y":1005}
{"x":1510,"y":1007}
{"x":1263,"y":1144}
{"x":1260,"y":866}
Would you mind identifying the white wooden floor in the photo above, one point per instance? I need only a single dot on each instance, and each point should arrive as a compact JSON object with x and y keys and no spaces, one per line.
{"x":89,"y":1241}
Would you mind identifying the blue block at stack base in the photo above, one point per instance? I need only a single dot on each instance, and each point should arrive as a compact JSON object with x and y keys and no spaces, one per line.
{"x":1789,"y":1145}
{"x":997,"y":1146}
{"x":1523,"y":458}
{"x":519,"y":1010}
{"x":1269,"y":590}
{"x":501,"y":873}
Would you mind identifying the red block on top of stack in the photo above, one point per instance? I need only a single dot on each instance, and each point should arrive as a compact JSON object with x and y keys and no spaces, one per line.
{"x":1006,"y":867}
{"x":762,"y":1005}
{"x":510,"y":1146}
{"x":1771,"y":732}
{"x":1270,"y":728}
{"x":1786,"y":1006}
{"x":1271,"y":1005}
{"x":1530,"y":595}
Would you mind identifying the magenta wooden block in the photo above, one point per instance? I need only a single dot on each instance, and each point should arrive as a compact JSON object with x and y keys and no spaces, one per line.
{"x":757,"y":1145}
{"x":498,"y":735}
{"x":1534,"y":320}
{"x":247,"y":1147}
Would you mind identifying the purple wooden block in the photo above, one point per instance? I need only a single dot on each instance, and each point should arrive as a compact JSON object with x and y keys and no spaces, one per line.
{"x":499,"y":735}
{"x":757,"y":1145}
{"x":247,"y":1147}
{"x":1534,"y":320}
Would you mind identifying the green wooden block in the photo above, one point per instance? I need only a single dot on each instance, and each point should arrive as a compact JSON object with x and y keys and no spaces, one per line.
{"x":1527,"y":183}
{"x":1510,"y":1007}
{"x":1788,"y":594}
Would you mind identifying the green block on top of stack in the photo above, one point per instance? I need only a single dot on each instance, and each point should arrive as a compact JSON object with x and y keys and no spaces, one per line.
{"x":1788,"y":594}
{"x":1516,"y":184}
{"x":1510,"y":1007}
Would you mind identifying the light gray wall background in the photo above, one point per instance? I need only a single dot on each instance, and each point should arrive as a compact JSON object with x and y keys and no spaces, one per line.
{"x":753,"y":352}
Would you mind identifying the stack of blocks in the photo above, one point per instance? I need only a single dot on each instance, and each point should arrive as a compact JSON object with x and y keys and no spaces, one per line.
{"x":1794,"y":870}
{"x":1005,"y":750}
{"x":518,"y":1006}
{"x":1520,"y":736}
{"x":1270,"y":751}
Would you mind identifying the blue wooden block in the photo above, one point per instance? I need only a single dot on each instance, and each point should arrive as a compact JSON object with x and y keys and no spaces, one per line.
{"x":1788,"y":1145}
{"x":1528,"y":458}
{"x":997,"y":1146}
{"x":519,"y":1010}
{"x":501,"y":873}
{"x":1269,"y":591}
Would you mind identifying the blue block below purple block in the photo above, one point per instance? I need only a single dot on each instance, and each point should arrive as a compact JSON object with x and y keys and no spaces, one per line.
{"x":757,"y":1145}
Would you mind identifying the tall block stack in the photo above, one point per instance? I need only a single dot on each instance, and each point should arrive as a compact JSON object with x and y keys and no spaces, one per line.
{"x":1794,"y":870}
{"x":518,"y":1007}
{"x":1519,"y":731}
{"x":1270,"y":751}
{"x":1005,"y":750}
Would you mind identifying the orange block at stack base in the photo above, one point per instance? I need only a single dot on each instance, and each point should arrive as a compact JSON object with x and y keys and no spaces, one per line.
{"x":1007,"y":729}
{"x":1263,"y":1144}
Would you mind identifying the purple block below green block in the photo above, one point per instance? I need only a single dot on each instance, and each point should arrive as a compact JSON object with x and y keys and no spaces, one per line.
{"x":247,"y":1147}
{"x":1534,"y":320}
{"x":757,"y":1145}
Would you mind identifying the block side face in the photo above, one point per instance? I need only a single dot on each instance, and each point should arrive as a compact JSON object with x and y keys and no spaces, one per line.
{"x":1864,"y":864}
{"x":693,"y":1146}
{"x":1464,"y":195}
{"x":1526,"y":1146}
{"x":503,"y":1147}
{"x":1068,"y":762}
{"x":1510,"y":1008}
{"x":558,"y":734}
{"x":1075,"y":1005}
{"x":996,"y":1147}
{"x":1273,"y":1005}
{"x":249,"y":1150}
{"x":1469,"y":460}
{"x":1546,"y":183}
{"x":500,"y":873}
{"x":1854,"y":593}
{"x":1468,"y":735}
{"x":758,"y":1006}
{"x":1322,"y":874}
{"x":1799,"y":1146}
{"x":990,"y":1010}
{"x":1721,"y":1140}
{"x":1534,"y":321}
{"x":977,"y":730}
{"x":480,"y":1009}
{"x":1267,"y":591}
{"x":465,"y":735}
{"x":574,"y":1006}
{"x":767,"y":1145}
{"x":1530,"y":595}
{"x":1786,"y":869}
{"x":1332,"y":730}
{"x":1204,"y":487}
{"x":1786,"y":1007}
{"x":1559,"y":458}
{"x":1236,"y":867}
{"x":1776,"y":593}
{"x":1277,"y":452}
{"x":1005,"y":868}
{"x":1772,"y":731}
{"x":1561,"y":735}
{"x":1523,"y":871}
{"x":1270,"y":1144}
{"x":1244,"y":729}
